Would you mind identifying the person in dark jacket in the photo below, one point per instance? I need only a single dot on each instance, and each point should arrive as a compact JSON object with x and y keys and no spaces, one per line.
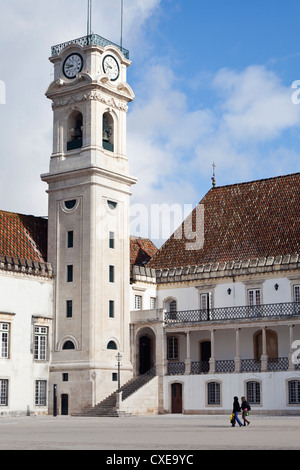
{"x":245,"y":409}
{"x":235,"y":410}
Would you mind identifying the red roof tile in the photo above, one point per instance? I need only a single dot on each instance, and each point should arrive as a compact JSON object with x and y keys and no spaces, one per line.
{"x":23,"y":236}
{"x":242,"y":221}
{"x":141,"y":251}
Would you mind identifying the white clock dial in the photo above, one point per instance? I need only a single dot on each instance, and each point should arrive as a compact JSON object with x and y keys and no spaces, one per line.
{"x":72,"y":65}
{"x":111,"y":67}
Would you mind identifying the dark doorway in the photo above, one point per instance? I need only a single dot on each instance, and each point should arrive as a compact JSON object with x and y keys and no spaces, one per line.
{"x":145,"y":354}
{"x":205,"y":354}
{"x":64,"y":404}
{"x":176,"y":398}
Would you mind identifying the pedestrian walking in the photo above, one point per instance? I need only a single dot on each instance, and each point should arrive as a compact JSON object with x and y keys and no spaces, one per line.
{"x":236,"y":410}
{"x":245,"y":410}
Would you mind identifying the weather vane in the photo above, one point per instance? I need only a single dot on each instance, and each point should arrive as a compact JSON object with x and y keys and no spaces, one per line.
{"x":214,"y":175}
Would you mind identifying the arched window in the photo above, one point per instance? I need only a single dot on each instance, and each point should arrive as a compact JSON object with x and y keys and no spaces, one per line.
{"x":75,"y":129}
{"x":68,"y":345}
{"x":171,"y":308}
{"x":271,"y":343}
{"x":108,"y":132}
{"x":111,"y":345}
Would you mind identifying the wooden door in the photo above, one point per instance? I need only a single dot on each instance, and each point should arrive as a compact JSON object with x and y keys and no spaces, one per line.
{"x":176,"y":398}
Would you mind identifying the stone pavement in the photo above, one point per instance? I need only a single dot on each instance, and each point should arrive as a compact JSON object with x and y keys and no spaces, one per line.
{"x":158,"y":433}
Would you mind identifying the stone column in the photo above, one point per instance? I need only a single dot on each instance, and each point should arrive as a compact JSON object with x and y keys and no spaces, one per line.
{"x":188,"y":354}
{"x":237,"y":359}
{"x":291,"y":332}
{"x":264,"y":357}
{"x":212,"y":361}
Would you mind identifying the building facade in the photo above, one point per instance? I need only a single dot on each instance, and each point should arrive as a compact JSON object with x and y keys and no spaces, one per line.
{"x":214,"y":313}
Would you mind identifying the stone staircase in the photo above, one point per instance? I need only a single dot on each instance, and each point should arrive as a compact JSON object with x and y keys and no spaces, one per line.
{"x":107,"y":407}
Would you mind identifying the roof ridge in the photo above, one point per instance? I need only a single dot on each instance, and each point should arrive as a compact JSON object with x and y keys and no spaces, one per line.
{"x":255,"y":181}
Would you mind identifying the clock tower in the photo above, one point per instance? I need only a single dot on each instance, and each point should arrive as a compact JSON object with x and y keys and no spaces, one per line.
{"x":88,"y":227}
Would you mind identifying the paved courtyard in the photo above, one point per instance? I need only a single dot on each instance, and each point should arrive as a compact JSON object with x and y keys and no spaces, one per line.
{"x":158,"y":433}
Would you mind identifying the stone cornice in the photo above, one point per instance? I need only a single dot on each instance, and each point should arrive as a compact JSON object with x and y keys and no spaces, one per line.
{"x":25,"y":266}
{"x":218,"y":270}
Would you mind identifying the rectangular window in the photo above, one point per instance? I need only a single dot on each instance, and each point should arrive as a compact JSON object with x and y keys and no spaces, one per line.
{"x":65,"y":377}
{"x":4,"y":340}
{"x":152,"y":303}
{"x":111,"y":309}
{"x":254,"y":297}
{"x":213,"y":393}
{"x":69,"y":308}
{"x":70,"y":273}
{"x":3,"y":392}
{"x":40,"y":393}
{"x":111,"y":274}
{"x":294,"y":392}
{"x":253,"y":392}
{"x":297,"y":294}
{"x":138,"y":302}
{"x":70,"y":239}
{"x":40,"y":343}
{"x":111,"y":240}
{"x":172,"y":348}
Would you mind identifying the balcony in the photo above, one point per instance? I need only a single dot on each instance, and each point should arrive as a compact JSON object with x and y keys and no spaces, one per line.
{"x":92,"y":39}
{"x":282,"y":310}
{"x":228,"y":366}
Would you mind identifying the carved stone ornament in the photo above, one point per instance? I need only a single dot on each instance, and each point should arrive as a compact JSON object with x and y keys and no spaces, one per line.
{"x":92,"y":95}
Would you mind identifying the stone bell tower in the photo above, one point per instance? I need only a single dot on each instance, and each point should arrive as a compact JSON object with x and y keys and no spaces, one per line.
{"x":88,"y":228}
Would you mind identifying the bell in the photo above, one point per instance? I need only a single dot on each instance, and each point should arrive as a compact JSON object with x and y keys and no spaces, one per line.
{"x":105,"y":136}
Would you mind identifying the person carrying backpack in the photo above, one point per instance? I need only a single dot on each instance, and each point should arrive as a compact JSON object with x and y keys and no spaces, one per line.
{"x":245,"y":410}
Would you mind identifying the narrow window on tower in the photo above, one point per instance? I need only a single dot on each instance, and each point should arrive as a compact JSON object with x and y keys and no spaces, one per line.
{"x":108,"y":132}
{"x":111,"y":274}
{"x":75,"y":128}
{"x":70,"y":239}
{"x":70,"y":273}
{"x":69,"y":308}
{"x":111,"y":240}
{"x":111,"y":309}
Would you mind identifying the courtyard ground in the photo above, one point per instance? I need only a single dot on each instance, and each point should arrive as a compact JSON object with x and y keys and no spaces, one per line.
{"x":151,"y":433}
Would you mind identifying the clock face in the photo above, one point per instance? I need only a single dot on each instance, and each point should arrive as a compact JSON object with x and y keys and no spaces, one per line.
{"x":72,"y":65}
{"x":111,"y":67}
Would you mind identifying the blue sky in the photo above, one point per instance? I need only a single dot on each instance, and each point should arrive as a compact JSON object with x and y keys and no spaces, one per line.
{"x":212,"y":81}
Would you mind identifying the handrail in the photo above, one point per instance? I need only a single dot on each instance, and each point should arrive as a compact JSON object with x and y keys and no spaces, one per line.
{"x":288,"y":309}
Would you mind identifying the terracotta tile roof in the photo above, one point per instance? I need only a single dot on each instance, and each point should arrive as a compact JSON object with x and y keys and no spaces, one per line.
{"x":241,"y":221}
{"x":141,"y":251}
{"x":23,"y":236}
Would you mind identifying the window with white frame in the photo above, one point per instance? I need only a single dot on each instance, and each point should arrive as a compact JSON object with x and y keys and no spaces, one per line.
{"x":254,"y":297}
{"x":138,"y":302}
{"x":297,"y":293}
{"x":213,"y":393}
{"x":152,"y":303}
{"x":294,"y":392}
{"x":172,"y":347}
{"x":40,"y":393}
{"x":40,"y":343}
{"x":253,"y":392}
{"x":3,"y":392}
{"x":4,"y":340}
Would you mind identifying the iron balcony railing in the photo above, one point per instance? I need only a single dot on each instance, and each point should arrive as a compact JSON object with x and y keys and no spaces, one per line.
{"x":228,"y":366}
{"x":289,"y":309}
{"x":92,"y":39}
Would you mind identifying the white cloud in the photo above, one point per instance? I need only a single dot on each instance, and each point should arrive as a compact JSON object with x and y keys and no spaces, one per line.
{"x":256,"y":104}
